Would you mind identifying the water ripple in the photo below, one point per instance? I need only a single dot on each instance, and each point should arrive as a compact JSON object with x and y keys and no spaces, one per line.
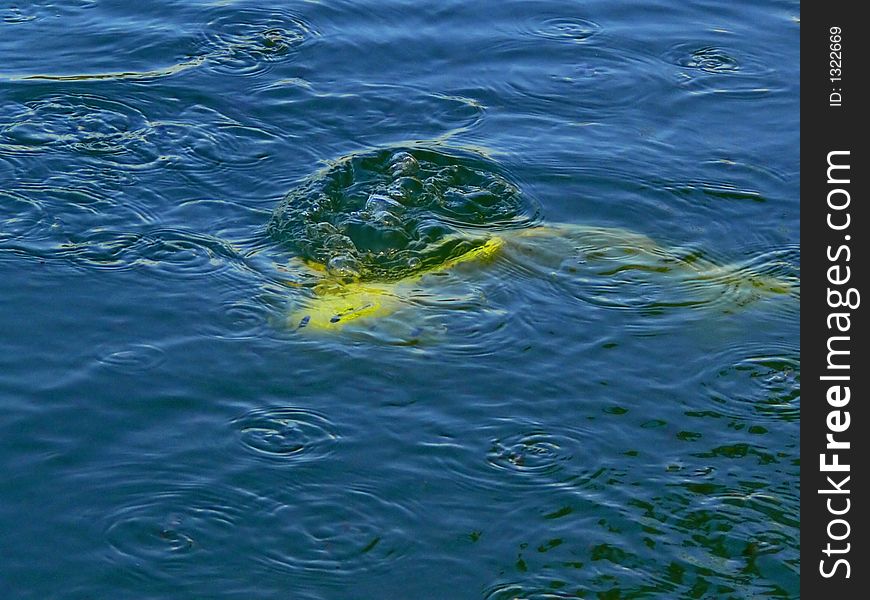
{"x":756,"y":387}
{"x":22,"y":217}
{"x":136,"y":357}
{"x":607,"y":84}
{"x":173,"y":525}
{"x":349,"y":531}
{"x":111,"y":132}
{"x":42,"y":220}
{"x":246,"y":41}
{"x":567,"y":29}
{"x":534,"y":452}
{"x":707,"y":67}
{"x":286,"y":434}
{"x":201,"y":139}
{"x":373,"y":114}
{"x":174,"y":252}
{"x":87,"y":124}
{"x":709,"y":59}
{"x":625,"y":270}
{"x":522,"y":455}
{"x":40,"y":9}
{"x":233,"y":41}
{"x":518,"y":591}
{"x":244,"y":319}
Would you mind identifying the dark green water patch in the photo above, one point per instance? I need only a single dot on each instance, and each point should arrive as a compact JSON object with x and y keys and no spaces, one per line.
{"x":390,"y":213}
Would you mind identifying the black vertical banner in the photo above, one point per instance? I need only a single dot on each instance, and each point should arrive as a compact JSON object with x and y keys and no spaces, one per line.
{"x":834,"y":421}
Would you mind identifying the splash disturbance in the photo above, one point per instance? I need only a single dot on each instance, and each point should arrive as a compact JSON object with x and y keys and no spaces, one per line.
{"x":373,"y":230}
{"x":391,"y":213}
{"x":389,"y":299}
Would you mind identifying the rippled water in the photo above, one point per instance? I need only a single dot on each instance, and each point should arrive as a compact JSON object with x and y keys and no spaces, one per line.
{"x":399,"y":300}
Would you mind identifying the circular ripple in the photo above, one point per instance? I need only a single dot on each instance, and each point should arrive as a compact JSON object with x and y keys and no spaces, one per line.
{"x":88,"y":228}
{"x":524,"y":456}
{"x":517,"y":591}
{"x":174,"y":252}
{"x":325,"y":530}
{"x":709,"y":59}
{"x":246,"y":41}
{"x":146,"y":537}
{"x":759,"y":387}
{"x":202,"y":139}
{"x":708,"y":68}
{"x":173,"y":525}
{"x":534,"y":453}
{"x":136,"y":357}
{"x":21,"y":217}
{"x":48,"y":222}
{"x":567,"y":29}
{"x":286,"y":434}
{"x":389,"y":213}
{"x":714,"y":60}
{"x":243,"y":320}
{"x":185,"y":253}
{"x":84,"y":124}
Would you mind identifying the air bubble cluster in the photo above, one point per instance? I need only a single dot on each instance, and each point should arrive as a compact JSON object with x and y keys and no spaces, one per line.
{"x":389,"y":213}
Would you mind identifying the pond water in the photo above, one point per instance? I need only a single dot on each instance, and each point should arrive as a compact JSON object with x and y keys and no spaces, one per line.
{"x":391,"y":299}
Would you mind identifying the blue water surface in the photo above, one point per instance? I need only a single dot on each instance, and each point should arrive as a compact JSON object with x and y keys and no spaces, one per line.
{"x":166,"y":431}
